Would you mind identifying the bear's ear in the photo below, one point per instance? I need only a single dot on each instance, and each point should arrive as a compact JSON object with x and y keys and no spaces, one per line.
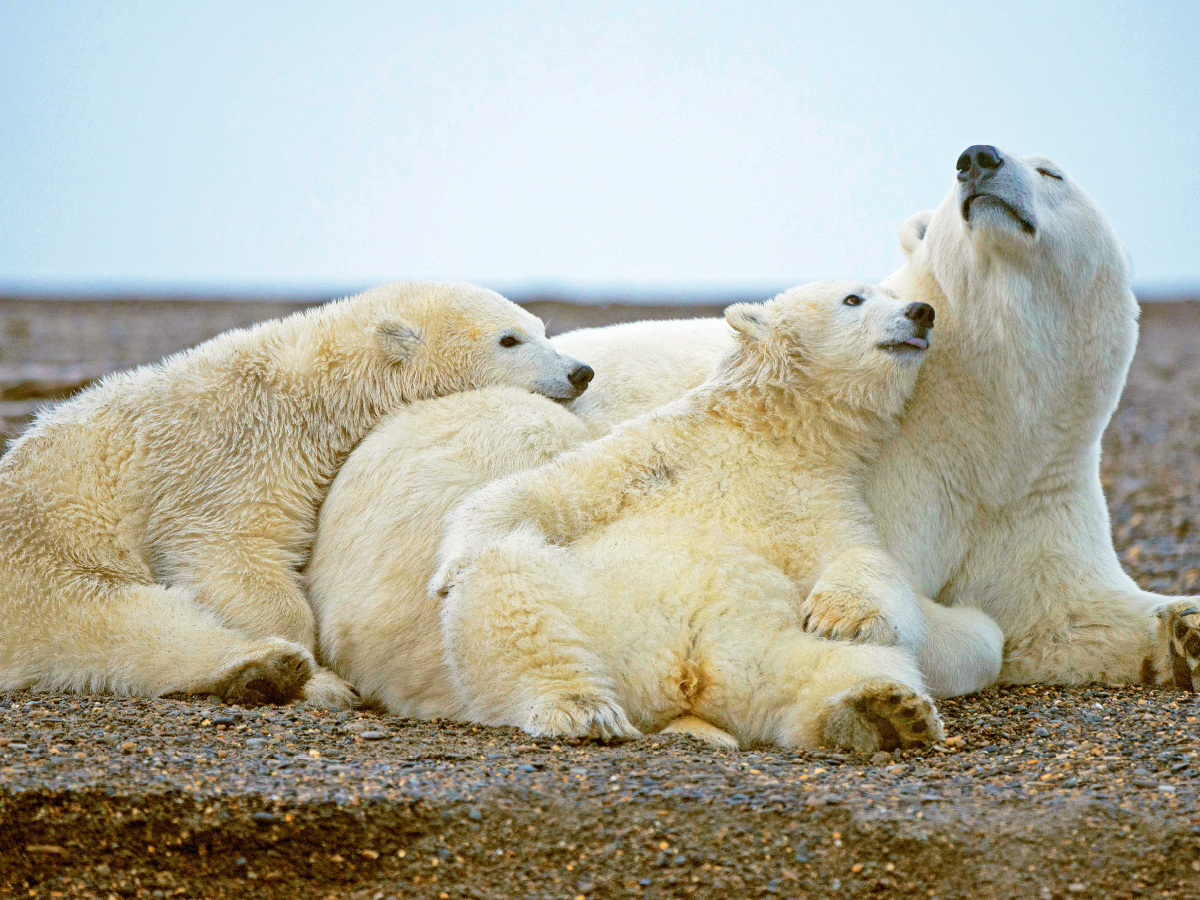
{"x":912,"y":232}
{"x":747,"y":319}
{"x":398,"y":339}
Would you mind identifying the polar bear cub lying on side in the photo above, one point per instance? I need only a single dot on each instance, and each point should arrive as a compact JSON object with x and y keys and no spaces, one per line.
{"x":662,"y":572}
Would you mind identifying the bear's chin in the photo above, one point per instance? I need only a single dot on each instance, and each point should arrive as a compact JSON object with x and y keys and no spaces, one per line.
{"x":989,"y":213}
{"x":906,"y":352}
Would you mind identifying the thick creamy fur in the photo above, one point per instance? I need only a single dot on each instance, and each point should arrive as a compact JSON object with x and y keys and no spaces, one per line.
{"x":664,"y":570}
{"x":154,"y":526}
{"x":381,"y":524}
{"x":990,"y":493}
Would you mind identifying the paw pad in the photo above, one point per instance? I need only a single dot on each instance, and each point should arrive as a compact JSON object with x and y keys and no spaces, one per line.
{"x":886,"y":716}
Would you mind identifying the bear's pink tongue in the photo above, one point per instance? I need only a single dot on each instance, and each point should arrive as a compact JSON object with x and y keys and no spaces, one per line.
{"x":919,"y":343}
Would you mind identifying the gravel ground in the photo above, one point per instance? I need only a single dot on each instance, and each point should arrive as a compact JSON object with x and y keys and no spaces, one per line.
{"x":1037,"y":792}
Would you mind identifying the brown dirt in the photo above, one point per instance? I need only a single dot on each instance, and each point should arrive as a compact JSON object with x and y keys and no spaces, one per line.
{"x":1039,"y":792}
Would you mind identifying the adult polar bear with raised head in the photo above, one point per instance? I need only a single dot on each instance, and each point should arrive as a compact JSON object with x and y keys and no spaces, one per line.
{"x":154,"y":526}
{"x":989,"y":496}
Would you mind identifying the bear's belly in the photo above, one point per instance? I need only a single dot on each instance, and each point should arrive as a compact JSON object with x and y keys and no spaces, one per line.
{"x":667,"y":606}
{"x":674,"y":579}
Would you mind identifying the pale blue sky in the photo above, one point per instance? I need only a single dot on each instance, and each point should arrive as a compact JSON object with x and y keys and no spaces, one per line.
{"x":654,"y":145}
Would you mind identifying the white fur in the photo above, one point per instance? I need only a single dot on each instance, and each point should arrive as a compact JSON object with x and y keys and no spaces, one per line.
{"x":990,"y":494}
{"x":664,"y":570}
{"x":154,"y":526}
{"x":381,"y":524}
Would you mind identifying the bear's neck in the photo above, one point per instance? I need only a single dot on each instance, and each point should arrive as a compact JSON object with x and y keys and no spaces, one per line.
{"x":335,"y":390}
{"x":832,"y":431}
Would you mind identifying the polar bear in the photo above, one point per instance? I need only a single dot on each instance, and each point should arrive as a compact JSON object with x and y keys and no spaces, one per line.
{"x":1035,"y":334}
{"x":990,"y":494}
{"x":662,"y":572}
{"x":154,"y":525}
{"x":380,"y":526}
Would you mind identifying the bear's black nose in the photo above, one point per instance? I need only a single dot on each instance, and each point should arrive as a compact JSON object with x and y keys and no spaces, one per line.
{"x":580,"y":376}
{"x":978,"y":161}
{"x":921,"y":314}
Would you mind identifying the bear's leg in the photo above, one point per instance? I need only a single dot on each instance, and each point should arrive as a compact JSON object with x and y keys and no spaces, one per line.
{"x":515,"y":655}
{"x":862,"y":596}
{"x":780,"y":685}
{"x":1048,"y":575}
{"x":962,"y":652}
{"x":252,"y":586}
{"x":148,"y":640}
{"x":1095,"y":633}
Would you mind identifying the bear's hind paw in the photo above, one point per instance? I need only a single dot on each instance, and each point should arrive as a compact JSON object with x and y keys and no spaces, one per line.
{"x":325,"y":690}
{"x":277,"y":674}
{"x":883,"y":715}
{"x":698,"y":728}
{"x":578,"y":716}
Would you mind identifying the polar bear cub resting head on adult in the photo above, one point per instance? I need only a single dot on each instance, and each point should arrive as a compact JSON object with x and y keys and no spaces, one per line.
{"x":659,"y":573}
{"x":154,"y":525}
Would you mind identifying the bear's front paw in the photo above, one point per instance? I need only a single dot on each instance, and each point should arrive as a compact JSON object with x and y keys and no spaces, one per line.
{"x":580,"y":716}
{"x":1181,"y":626}
{"x":844,"y":615}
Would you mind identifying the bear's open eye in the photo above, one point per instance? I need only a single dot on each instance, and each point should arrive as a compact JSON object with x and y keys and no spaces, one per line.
{"x":509,"y":340}
{"x":1050,"y":174}
{"x":853,"y":300}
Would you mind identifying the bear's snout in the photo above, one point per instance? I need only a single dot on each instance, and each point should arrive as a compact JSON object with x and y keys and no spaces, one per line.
{"x":920,"y":314}
{"x":581,"y":376}
{"x":978,"y":162}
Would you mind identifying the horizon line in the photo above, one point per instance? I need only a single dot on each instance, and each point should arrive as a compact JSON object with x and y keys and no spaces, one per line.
{"x":584,"y":292}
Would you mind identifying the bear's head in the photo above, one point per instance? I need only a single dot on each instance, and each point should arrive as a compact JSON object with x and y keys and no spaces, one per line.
{"x":843,"y":342}
{"x":1013,"y":229}
{"x":438,"y":338}
{"x":1032,"y":293}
